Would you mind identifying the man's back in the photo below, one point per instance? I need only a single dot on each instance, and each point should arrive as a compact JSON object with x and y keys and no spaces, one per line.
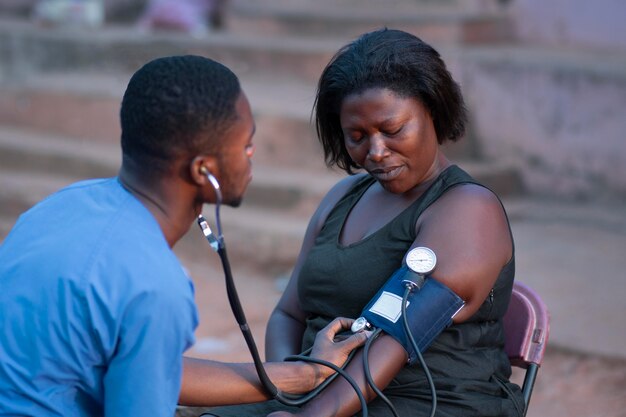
{"x":95,"y":308}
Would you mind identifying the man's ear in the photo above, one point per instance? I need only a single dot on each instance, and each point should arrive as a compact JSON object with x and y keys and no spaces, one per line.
{"x":200,"y":167}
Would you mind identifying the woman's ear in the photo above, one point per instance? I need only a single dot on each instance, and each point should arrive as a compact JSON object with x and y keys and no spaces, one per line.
{"x":200,"y":167}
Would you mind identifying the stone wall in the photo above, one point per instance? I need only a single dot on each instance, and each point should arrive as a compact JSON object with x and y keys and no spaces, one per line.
{"x":559,"y":118}
{"x":571,"y":23}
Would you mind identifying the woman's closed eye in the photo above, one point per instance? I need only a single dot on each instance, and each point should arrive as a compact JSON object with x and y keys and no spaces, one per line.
{"x":393,"y":131}
{"x":353,"y":136}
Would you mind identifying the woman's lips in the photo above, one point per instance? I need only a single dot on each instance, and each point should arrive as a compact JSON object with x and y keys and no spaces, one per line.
{"x":386,"y":174}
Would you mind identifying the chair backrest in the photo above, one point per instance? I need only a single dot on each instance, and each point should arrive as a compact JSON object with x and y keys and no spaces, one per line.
{"x":526,"y":327}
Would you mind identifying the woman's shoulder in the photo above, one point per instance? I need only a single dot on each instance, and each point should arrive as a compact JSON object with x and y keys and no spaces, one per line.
{"x":472,"y":194}
{"x":467,"y":202}
{"x":332,"y":197}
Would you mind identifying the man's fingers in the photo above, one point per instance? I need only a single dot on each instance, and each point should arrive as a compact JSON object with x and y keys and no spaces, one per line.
{"x":340,"y":323}
{"x":337,"y":325}
{"x":356,"y":340}
{"x":348,"y":340}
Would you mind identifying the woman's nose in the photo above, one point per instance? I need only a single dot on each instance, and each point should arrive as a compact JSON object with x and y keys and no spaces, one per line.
{"x":378,"y":149}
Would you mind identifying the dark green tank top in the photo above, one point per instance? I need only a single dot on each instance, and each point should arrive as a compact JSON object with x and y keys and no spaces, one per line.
{"x":467,"y":360}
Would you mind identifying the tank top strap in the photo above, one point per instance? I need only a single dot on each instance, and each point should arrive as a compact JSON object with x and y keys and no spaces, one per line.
{"x":450,"y":177}
{"x":334,"y":222}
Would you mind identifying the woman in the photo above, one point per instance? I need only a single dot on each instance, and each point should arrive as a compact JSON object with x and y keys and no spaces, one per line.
{"x":385,"y":104}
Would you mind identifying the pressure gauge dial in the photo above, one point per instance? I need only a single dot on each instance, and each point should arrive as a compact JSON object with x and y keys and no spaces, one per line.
{"x":421,"y":260}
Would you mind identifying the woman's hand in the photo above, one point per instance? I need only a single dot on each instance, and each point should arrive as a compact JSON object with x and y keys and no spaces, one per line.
{"x":330,"y":347}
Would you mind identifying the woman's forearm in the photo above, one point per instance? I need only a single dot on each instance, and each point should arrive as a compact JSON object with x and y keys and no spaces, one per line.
{"x":386,"y":358}
{"x":209,"y":383}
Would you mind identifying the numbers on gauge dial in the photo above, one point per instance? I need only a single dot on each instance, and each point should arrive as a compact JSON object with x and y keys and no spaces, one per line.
{"x":421,"y":260}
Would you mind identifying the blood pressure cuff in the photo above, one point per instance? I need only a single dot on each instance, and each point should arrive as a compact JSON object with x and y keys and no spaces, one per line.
{"x":429,"y":310}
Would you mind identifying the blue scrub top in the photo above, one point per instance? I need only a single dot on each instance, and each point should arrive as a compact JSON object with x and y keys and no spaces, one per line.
{"x":95,"y":308}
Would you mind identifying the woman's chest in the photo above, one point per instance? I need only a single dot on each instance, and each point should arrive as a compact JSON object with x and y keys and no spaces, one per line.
{"x":374,"y":211}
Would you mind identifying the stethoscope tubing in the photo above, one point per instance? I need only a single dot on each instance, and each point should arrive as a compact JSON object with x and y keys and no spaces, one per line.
{"x":238,"y":312}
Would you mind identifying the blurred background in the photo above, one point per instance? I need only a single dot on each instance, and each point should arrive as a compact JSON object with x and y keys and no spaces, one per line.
{"x":545,"y":83}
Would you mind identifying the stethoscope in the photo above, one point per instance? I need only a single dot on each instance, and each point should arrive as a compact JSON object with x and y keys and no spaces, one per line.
{"x":218,"y":245}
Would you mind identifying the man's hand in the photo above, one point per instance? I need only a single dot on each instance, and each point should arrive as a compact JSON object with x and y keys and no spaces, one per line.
{"x":333,"y":348}
{"x":330,"y":348}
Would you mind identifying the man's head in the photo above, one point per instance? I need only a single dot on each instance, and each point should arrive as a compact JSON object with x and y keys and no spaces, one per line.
{"x":176,"y":110}
{"x":168,"y":105}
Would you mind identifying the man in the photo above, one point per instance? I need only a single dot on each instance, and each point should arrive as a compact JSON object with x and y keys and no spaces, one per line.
{"x":95,"y":309}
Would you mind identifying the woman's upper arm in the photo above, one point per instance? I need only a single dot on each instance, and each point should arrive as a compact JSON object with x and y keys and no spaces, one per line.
{"x":468,"y":231}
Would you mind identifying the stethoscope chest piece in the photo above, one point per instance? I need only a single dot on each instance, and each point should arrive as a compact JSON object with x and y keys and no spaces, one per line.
{"x":360,"y":324}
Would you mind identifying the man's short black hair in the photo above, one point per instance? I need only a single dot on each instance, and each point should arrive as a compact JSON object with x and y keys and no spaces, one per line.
{"x":176,"y":106}
{"x":390,"y":59}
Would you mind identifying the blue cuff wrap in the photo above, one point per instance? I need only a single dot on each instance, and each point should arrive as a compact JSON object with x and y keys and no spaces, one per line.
{"x":429,"y":310}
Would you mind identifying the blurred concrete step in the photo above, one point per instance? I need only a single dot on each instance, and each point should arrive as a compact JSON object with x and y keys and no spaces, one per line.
{"x":501,"y":178}
{"x":80,"y":105}
{"x":438,"y":23}
{"x":27,"y":48}
{"x":27,"y":150}
{"x":381,"y":6}
{"x":255,"y":237}
{"x":21,"y":190}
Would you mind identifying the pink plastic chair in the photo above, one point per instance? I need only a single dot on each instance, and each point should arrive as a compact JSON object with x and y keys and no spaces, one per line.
{"x":526,"y":326}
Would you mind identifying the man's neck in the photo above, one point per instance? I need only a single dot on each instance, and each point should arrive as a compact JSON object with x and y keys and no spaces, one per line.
{"x":166,"y":200}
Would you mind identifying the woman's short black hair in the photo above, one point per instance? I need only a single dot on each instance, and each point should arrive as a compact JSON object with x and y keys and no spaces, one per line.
{"x":392,"y":59}
{"x":176,"y":106}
